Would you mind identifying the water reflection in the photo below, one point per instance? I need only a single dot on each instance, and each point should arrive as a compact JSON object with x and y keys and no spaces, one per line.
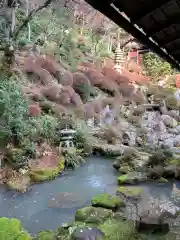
{"x":50,"y":204}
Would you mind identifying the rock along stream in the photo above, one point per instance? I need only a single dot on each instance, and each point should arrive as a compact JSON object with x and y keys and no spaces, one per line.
{"x":48,"y":205}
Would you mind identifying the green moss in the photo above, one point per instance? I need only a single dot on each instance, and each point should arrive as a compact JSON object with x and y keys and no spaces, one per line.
{"x":174,"y":162}
{"x":62,"y":234}
{"x":107,"y":201}
{"x":119,"y":230}
{"x":45,"y":235}
{"x":132,"y":178}
{"x":123,"y":178}
{"x":11,"y":229}
{"x":130,"y":191}
{"x":39,"y":175}
{"x":92,"y":215}
{"x":162,"y":180}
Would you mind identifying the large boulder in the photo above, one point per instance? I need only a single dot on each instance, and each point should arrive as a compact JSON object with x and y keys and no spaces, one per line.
{"x":92,"y":215}
{"x":155,"y":172}
{"x":169,"y":171}
{"x":130,"y":192}
{"x":169,"y":121}
{"x":132,"y":178}
{"x":118,"y":229}
{"x":107,"y":201}
{"x":153,"y":221}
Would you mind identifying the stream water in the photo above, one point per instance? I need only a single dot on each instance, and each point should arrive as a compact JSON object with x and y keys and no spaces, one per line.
{"x":48,"y":205}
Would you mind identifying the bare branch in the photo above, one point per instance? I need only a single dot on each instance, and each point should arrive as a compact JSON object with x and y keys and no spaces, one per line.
{"x":29,"y":17}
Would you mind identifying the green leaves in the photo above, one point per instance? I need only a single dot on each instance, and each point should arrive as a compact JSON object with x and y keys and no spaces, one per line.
{"x":13,"y":112}
{"x":155,"y":66}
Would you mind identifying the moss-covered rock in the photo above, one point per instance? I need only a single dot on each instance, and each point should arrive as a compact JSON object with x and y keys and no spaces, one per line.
{"x":119,"y":230}
{"x":162,"y":180}
{"x":46,"y":173}
{"x":107,"y":201}
{"x":46,"y":235}
{"x":108,"y":150}
{"x":132,"y":178}
{"x":19,"y":183}
{"x":11,"y":229}
{"x":174,"y":162}
{"x":82,"y":233}
{"x":124,"y":169}
{"x":93,"y":215}
{"x":62,"y":234}
{"x":130,"y":191}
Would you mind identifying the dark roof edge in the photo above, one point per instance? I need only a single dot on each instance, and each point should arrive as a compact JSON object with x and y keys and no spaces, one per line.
{"x":121,"y":21}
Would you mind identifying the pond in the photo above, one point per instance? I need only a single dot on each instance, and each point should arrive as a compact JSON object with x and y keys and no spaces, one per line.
{"x":48,"y":205}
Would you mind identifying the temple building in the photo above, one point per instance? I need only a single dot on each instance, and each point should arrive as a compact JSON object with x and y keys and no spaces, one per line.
{"x":135,"y":51}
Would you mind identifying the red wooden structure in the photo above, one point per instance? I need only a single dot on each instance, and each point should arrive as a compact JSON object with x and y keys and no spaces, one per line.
{"x":137,"y":55}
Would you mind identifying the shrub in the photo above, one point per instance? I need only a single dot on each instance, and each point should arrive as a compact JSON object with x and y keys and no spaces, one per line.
{"x":84,"y":139}
{"x":49,"y":128}
{"x":73,"y":159}
{"x":11,"y":229}
{"x":84,"y":90}
{"x":14,"y":125}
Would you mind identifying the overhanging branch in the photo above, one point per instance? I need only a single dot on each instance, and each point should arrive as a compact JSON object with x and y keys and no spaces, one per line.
{"x":29,"y":17}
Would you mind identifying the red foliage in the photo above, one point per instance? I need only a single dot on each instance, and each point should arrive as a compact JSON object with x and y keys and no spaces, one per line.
{"x":94,"y":76}
{"x":52,"y":93}
{"x":127,"y":90}
{"x":49,"y":64}
{"x":132,"y":66}
{"x":76,"y":100}
{"x":64,"y":95}
{"x":97,"y":107}
{"x":111,"y":73}
{"x":65,"y":78}
{"x":49,"y":161}
{"x":33,"y":92}
{"x":32,"y":65}
{"x":134,"y":77}
{"x":111,"y":86}
{"x":79,"y":78}
{"x":91,"y":109}
{"x":34,"y":110}
{"x":59,"y":109}
{"x":178,"y":81}
{"x":88,"y":65}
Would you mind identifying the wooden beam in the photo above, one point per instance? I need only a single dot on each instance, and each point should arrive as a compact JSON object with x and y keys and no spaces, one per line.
{"x":121,"y":21}
{"x":167,"y":24}
{"x":176,"y":53}
{"x":150,"y":9}
{"x":169,"y":38}
{"x":171,"y":42}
